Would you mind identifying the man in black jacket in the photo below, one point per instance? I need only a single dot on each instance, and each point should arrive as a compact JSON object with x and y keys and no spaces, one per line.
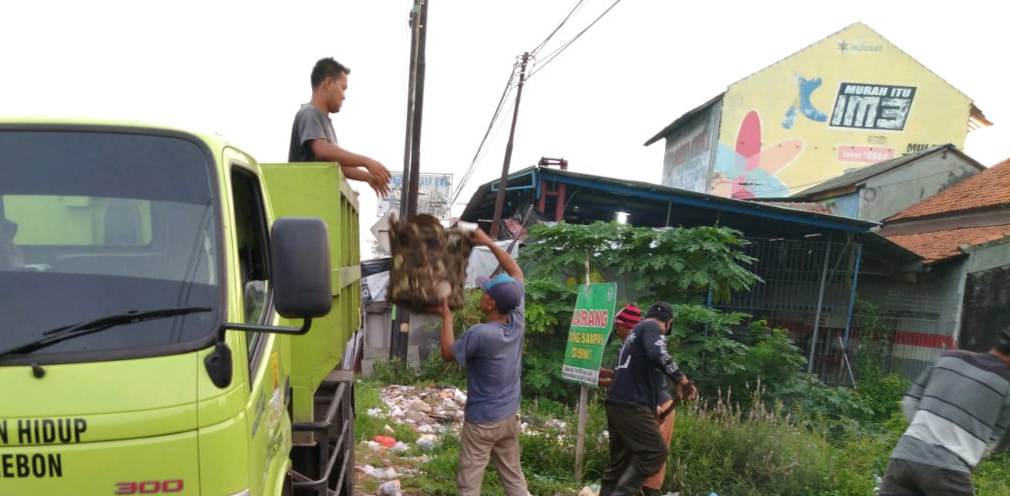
{"x":637,"y":449}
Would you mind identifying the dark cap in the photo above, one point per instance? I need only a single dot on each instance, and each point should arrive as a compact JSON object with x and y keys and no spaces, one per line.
{"x":504,"y":290}
{"x":662,"y":311}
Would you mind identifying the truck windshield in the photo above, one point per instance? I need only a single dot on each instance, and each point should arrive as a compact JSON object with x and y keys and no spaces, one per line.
{"x":98,"y":223}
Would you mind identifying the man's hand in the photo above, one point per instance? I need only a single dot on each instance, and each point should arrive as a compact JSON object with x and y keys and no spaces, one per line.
{"x":378,"y":171}
{"x":606,"y":377}
{"x":381,"y":187}
{"x":481,"y":238}
{"x":687,"y":392}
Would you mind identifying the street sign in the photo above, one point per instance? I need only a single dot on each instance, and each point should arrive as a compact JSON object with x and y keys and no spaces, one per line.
{"x":592,"y":321}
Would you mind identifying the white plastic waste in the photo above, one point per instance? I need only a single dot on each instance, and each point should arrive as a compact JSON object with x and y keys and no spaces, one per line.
{"x":426,"y":442}
{"x":389,"y":488}
{"x":385,"y":473}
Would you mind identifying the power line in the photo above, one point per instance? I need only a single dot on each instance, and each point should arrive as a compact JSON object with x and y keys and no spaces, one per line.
{"x":494,"y":126}
{"x":508,"y":87}
{"x":487,"y":133}
{"x":559,"y":51}
{"x":560,"y":25}
{"x":502,"y":123}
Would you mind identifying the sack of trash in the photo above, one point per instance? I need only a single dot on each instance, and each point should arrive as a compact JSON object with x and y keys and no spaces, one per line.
{"x":429,"y":263}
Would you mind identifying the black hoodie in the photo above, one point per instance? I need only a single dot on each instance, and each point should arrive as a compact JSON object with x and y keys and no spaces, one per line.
{"x":641,"y":365}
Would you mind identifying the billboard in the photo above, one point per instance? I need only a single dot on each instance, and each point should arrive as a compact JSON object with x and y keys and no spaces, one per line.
{"x":433,"y":193}
{"x":847,"y":101}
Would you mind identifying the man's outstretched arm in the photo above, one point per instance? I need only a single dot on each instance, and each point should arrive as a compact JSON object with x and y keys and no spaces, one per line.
{"x":447,"y":337}
{"x":508,"y":264}
{"x":354,"y":166}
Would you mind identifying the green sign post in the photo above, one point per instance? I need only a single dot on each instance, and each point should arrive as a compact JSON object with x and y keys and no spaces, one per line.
{"x":591,"y":323}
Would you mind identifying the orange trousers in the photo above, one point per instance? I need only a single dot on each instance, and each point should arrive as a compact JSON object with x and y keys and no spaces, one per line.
{"x":655,"y":481}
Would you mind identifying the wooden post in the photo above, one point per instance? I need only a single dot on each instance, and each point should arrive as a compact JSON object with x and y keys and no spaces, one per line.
{"x":580,"y":441}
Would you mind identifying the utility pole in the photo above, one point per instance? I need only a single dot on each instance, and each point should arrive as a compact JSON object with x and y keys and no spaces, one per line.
{"x":421,"y":27}
{"x":499,"y":203}
{"x":399,"y":332}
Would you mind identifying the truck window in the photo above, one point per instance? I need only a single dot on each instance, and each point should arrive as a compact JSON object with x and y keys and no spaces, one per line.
{"x":97,"y":223}
{"x":252,"y":244}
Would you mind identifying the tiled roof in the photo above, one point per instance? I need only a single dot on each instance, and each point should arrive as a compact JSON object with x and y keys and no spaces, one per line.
{"x":938,"y":246}
{"x":987,"y":189}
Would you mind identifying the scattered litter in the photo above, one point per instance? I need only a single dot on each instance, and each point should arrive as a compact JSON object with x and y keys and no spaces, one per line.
{"x":587,"y":491}
{"x":460,"y":397}
{"x":426,"y":442}
{"x":400,"y":447}
{"x":418,"y":405}
{"x":372,"y":445}
{"x":374,"y":412}
{"x":557,"y":424}
{"x":385,"y":441}
{"x":418,"y":417}
{"x":425,"y":429}
{"x":388,"y":429}
{"x":385,"y":473}
{"x":390,"y":488}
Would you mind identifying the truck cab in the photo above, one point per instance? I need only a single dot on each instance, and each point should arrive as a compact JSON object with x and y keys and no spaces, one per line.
{"x":175,"y":315}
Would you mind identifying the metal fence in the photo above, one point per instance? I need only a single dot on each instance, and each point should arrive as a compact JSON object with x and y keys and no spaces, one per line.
{"x":807,"y":287}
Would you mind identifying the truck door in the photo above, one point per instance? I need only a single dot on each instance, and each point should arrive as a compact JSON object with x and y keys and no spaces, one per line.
{"x":269,"y":436}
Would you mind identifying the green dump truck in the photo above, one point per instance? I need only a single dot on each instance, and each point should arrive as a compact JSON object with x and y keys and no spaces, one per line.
{"x":174,"y":316}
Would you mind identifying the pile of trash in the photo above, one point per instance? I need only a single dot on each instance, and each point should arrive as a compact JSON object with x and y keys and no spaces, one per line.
{"x":430,"y":411}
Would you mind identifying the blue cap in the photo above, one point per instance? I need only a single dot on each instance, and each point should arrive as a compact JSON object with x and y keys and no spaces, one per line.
{"x":504,"y":290}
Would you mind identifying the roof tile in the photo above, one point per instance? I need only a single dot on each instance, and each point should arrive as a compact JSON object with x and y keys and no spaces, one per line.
{"x":987,"y":189}
{"x":938,"y":246}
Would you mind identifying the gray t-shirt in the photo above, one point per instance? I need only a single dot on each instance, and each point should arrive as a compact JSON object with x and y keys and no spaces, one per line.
{"x":491,"y":353}
{"x":310,"y":124}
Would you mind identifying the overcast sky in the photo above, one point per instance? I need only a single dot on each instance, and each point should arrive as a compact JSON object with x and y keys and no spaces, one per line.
{"x":240,"y":69}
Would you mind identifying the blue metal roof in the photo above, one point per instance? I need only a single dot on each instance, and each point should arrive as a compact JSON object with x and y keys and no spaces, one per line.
{"x":618,"y":194}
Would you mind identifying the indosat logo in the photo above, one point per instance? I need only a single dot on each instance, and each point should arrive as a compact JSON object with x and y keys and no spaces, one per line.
{"x":845,"y":46}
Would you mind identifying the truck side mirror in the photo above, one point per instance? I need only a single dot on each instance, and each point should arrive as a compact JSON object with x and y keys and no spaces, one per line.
{"x":300,"y":267}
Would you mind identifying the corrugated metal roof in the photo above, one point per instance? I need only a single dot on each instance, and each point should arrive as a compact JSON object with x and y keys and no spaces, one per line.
{"x":680,"y":120}
{"x":675,"y":197}
{"x":858,"y":176}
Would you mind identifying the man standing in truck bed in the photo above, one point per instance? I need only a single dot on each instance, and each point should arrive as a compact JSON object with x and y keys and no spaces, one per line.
{"x":313,"y":138}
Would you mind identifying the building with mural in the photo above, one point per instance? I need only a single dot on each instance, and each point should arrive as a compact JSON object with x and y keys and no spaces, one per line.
{"x":845,"y":102}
